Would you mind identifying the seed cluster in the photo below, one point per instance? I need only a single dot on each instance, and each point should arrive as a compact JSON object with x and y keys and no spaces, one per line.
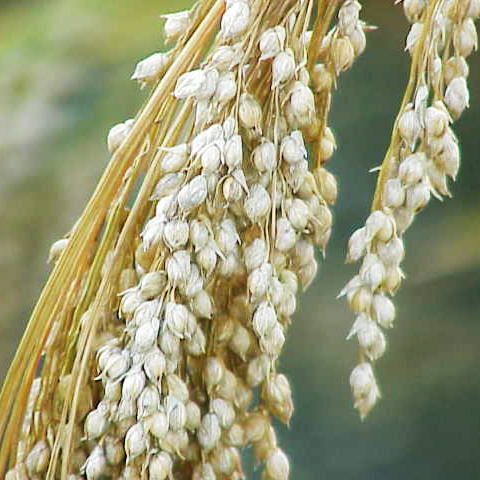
{"x":424,"y":152}
{"x":186,"y":367}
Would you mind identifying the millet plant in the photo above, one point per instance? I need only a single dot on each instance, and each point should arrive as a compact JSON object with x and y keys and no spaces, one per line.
{"x":153,"y":349}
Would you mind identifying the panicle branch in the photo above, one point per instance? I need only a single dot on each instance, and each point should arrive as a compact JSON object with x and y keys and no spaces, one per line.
{"x":423,"y":153}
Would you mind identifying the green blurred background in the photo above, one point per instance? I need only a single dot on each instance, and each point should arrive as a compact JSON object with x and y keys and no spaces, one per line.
{"x":65,"y":68}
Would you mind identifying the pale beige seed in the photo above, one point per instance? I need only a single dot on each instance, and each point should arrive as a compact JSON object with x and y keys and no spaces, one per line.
{"x":277,"y":465}
{"x":209,"y":432}
{"x":342,"y":53}
{"x":38,"y":458}
{"x":176,"y":24}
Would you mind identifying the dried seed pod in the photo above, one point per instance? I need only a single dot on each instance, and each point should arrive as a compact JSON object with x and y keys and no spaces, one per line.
{"x":360,"y":299}
{"x":293,"y":148}
{"x":257,"y":370}
{"x":225,"y":460}
{"x":298,"y":213}
{"x":177,"y":387}
{"x":457,"y":96}
{"x":226,"y":88}
{"x":394,"y":193}
{"x":259,"y":280}
{"x":193,"y":193}
{"x":96,"y":465}
{"x":166,"y":207}
{"x":136,"y":441}
{"x":176,"y":233}
{"x":255,"y":427}
{"x":272,"y":342}
{"x":114,"y":451}
{"x":411,"y":170}
{"x":160,"y":466}
{"x":436,"y":120}
{"x":226,"y":236}
{"x":241,"y":341}
{"x":133,"y":384}
{"x":264,"y":319}
{"x":283,"y":67}
{"x":342,"y":53}
{"x":278,"y":396}
{"x":357,"y":245}
{"x":277,"y":465}
{"x":203,"y":471}
{"x":214,"y":372}
{"x":146,"y":336}
{"x":327,"y":145}
{"x":364,"y":387}
{"x":391,"y":252}
{"x":235,"y":436}
{"x":286,"y":236}
{"x":178,"y":266}
{"x":358,"y":39}
{"x":255,"y":254}
{"x":370,"y":337}
{"x":157,"y":424}
{"x":409,"y":126}
{"x":322,"y":79}
{"x":190,"y":84}
{"x":117,"y":134}
{"x":202,"y":304}
{"x":96,"y":424}
{"x":348,"y":16}
{"x":272,"y":42}
{"x":224,"y":412}
{"x":153,"y":284}
{"x":112,"y":391}
{"x":372,"y":271}
{"x":235,"y":20}
{"x":455,"y":66}
{"x":413,"y":36}
{"x":379,"y":225}
{"x":175,"y":158}
{"x":150,"y":69}
{"x":209,"y":432}
{"x":264,"y":156}
{"x":306,"y":275}
{"x":154,"y":365}
{"x":199,"y":234}
{"x":38,"y":458}
{"x":194,"y":416}
{"x":465,"y":38}
{"x":257,"y":203}
{"x":448,"y":160}
{"x":176,"y":24}
{"x":17,"y":473}
{"x":250,"y":112}
{"x":117,"y":365}
{"x":148,"y":402}
{"x":170,"y":345}
{"x":56,"y":249}
{"x":326,"y":184}
{"x":417,"y":196}
{"x":176,"y":413}
{"x":224,"y":58}
{"x":383,"y":310}
{"x":168,"y":185}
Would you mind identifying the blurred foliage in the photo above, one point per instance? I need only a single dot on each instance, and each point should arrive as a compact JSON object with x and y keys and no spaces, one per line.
{"x":64,"y":76}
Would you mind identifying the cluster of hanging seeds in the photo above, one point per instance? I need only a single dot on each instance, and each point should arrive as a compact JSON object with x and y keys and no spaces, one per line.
{"x":186,"y":367}
{"x":424,"y":152}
